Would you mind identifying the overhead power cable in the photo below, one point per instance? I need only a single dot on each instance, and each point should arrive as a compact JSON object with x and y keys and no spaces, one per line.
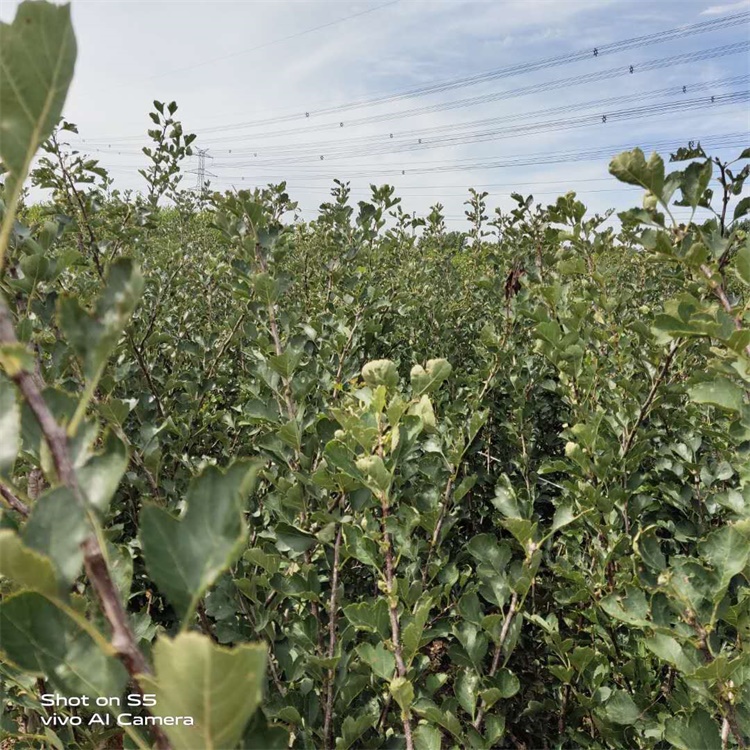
{"x":667,"y":35}
{"x":606,"y":117}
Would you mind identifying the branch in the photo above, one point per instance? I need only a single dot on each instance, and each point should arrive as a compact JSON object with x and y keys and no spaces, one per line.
{"x":123,"y":639}
{"x":628,"y":441}
{"x":498,"y":652}
{"x":721,"y":295}
{"x":16,"y":503}
{"x":328,"y":721}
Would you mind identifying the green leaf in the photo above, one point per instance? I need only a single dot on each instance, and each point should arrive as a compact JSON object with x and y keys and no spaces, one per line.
{"x":352,"y":729}
{"x":24,"y":566}
{"x":631,"y":608}
{"x":701,"y":731}
{"x":695,"y":179}
{"x":632,"y":168}
{"x":369,"y":616}
{"x":742,"y":208}
{"x":10,"y":425}
{"x":56,"y":527}
{"x":621,"y":709}
{"x":380,"y":372}
{"x":429,"y":379}
{"x":403,"y":692}
{"x":340,"y":458}
{"x":220,"y":688}
{"x":100,"y":476}
{"x":291,"y":539}
{"x":742,"y":260}
{"x":37,"y":57}
{"x":669,"y":650}
{"x":728,"y":551}
{"x":718,"y":392}
{"x":376,"y":475}
{"x":380,"y":660}
{"x":93,"y":336}
{"x":39,"y":638}
{"x":184,"y":557}
{"x":466,"y":690}
{"x":427,"y":737}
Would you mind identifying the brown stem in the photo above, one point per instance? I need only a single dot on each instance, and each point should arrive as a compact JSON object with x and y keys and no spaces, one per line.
{"x":438,"y":528}
{"x":721,"y":295}
{"x":16,"y":503}
{"x":328,"y":720}
{"x":123,"y":639}
{"x":643,"y":412}
{"x":498,"y":652}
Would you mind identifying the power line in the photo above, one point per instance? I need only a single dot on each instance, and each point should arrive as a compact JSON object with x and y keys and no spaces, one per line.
{"x":514,"y":70}
{"x":366,"y":147}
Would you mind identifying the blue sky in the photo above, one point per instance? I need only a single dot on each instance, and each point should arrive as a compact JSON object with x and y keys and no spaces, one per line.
{"x":231,"y":62}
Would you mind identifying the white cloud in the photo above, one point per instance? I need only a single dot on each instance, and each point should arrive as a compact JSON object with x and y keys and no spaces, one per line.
{"x":720,"y":10}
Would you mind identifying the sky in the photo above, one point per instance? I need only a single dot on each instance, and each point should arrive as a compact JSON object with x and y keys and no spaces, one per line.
{"x":245,"y":73}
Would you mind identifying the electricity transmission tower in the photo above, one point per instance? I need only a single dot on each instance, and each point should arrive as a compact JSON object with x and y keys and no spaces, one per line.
{"x":201,"y":171}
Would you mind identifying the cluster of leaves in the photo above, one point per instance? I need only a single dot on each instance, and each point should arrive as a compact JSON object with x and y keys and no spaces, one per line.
{"x":342,"y":484}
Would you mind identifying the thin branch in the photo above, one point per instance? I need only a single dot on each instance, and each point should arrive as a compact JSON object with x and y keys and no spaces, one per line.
{"x":646,"y":406}
{"x":14,"y":502}
{"x":123,"y":639}
{"x":498,"y":652}
{"x":328,"y":720}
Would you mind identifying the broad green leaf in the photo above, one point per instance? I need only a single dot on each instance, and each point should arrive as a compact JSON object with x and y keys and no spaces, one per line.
{"x":411,"y":634}
{"x":220,"y":688}
{"x":742,"y":208}
{"x":376,"y":475}
{"x":100,"y":476}
{"x":10,"y":425}
{"x":353,"y":728}
{"x":718,"y":392}
{"x":15,"y":358}
{"x":742,"y":260}
{"x":631,"y":608}
{"x":37,"y":57}
{"x":429,"y":379}
{"x":467,"y":690}
{"x":701,"y":731}
{"x":427,"y":737}
{"x":668,"y":649}
{"x":342,"y":459}
{"x":56,"y":528}
{"x":403,"y":692}
{"x":38,"y":637}
{"x":621,"y":709}
{"x":93,"y":336}
{"x":370,"y":616}
{"x":380,"y":660}
{"x":474,"y":641}
{"x":24,"y":566}
{"x":380,"y":372}
{"x":728,"y":551}
{"x":291,"y":539}
{"x":184,"y":557}
{"x":694,"y":181}
{"x":632,"y":168}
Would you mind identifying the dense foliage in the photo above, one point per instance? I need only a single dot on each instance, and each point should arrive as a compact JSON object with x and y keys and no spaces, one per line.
{"x":361,"y":482}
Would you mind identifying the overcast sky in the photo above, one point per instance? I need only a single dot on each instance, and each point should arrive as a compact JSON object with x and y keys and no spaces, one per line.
{"x":235,"y":63}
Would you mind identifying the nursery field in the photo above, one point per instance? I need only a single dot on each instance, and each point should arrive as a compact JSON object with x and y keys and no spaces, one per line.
{"x":360,"y":481}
